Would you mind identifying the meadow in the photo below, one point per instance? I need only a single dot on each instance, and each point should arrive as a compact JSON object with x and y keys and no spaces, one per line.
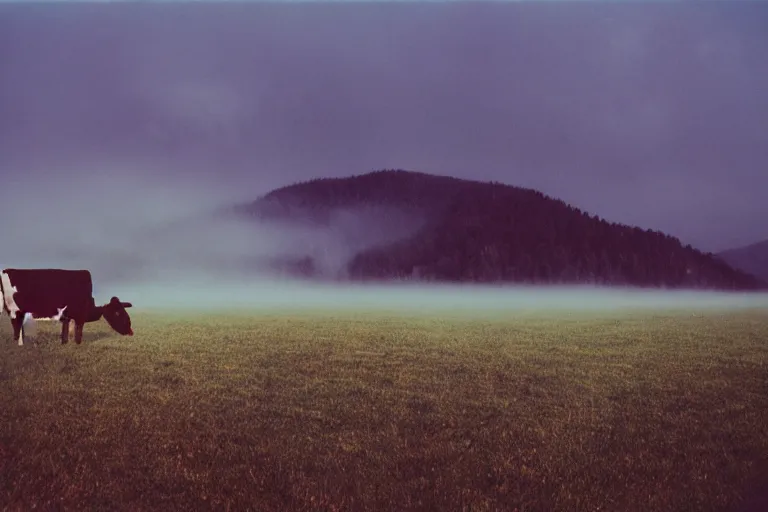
{"x":339,"y":410}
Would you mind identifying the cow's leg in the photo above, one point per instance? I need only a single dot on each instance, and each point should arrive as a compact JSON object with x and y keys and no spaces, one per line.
{"x":78,"y":332}
{"x":18,"y":327}
{"x":64,"y":331}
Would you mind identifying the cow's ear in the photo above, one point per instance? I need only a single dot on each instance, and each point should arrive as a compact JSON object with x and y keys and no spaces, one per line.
{"x":126,"y":304}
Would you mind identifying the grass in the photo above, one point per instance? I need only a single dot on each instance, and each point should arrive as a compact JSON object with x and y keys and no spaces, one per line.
{"x":331,"y":411}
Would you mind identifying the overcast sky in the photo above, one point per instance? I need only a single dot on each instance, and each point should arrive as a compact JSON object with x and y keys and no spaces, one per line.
{"x":649,"y":114}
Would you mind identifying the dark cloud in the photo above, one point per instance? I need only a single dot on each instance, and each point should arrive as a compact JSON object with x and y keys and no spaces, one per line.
{"x":653,"y":114}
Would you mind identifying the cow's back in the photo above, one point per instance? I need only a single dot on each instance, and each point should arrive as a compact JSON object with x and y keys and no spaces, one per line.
{"x":44,"y":291}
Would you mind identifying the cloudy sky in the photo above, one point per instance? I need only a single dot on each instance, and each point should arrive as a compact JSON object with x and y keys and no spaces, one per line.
{"x":649,"y":114}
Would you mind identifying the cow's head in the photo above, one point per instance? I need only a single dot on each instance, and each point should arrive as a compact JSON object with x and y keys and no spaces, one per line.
{"x":117,"y":317}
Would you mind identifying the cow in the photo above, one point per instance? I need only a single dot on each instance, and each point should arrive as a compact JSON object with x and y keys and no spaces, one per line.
{"x":58,"y":295}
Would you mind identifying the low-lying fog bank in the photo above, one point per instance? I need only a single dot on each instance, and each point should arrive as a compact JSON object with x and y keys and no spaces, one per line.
{"x":202,"y":294}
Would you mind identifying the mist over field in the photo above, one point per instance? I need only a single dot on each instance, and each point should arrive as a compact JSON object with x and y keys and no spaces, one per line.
{"x":206,"y":293}
{"x":155,"y":242}
{"x":102,"y":216}
{"x":135,"y":224}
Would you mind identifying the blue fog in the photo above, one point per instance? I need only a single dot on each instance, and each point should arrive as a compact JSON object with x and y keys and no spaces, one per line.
{"x":256,"y":296}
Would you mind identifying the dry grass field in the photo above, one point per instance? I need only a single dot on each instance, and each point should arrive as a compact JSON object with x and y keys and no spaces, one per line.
{"x":340,"y":411}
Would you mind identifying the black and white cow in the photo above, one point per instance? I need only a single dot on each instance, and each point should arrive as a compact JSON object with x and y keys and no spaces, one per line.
{"x":58,"y":295}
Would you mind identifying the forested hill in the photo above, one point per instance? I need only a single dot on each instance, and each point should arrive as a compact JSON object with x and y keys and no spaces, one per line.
{"x":471,"y":231}
{"x":752,"y":259}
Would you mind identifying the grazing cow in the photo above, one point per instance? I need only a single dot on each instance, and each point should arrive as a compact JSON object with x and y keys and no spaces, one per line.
{"x":58,"y":295}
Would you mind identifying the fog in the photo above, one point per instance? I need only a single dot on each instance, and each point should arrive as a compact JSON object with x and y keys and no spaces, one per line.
{"x":269,"y":296}
{"x":133,"y":224}
{"x":610,"y":106}
{"x":123,"y":131}
{"x":156,"y":243}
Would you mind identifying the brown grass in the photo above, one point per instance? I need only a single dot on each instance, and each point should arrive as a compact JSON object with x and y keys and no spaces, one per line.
{"x":373,"y":412}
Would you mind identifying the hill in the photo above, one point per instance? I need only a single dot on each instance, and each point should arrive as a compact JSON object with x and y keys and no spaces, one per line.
{"x":752,"y":259}
{"x":437,"y":228}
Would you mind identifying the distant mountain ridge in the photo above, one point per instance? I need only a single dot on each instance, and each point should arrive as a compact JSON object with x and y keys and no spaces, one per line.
{"x":752,"y":259}
{"x":488,"y":232}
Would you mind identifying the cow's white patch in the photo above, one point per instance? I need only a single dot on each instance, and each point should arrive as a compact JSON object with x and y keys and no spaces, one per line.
{"x":29,"y":326}
{"x":8,"y":291}
{"x":30,"y":322}
{"x":54,"y":318}
{"x":21,"y":337}
{"x":58,"y":315}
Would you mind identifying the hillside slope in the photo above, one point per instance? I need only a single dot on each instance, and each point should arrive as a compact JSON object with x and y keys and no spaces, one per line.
{"x":470,"y":231}
{"x":752,"y":259}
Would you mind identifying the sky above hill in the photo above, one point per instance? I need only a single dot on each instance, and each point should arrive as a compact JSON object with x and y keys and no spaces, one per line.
{"x":650,"y":114}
